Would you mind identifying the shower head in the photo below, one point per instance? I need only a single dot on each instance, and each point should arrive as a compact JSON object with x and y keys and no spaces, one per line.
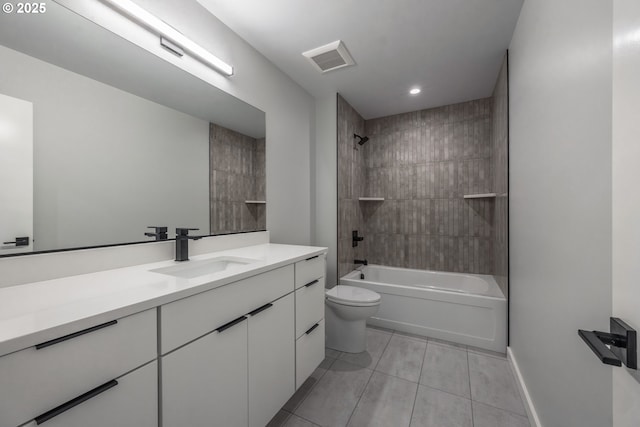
{"x":363,"y":139}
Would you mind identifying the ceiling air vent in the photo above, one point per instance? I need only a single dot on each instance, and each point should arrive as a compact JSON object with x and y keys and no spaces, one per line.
{"x":329,"y":57}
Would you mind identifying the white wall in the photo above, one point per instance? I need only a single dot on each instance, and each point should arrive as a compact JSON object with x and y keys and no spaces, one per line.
{"x":560,"y":195}
{"x":626,"y":203}
{"x":106,"y":162}
{"x":326,"y":183}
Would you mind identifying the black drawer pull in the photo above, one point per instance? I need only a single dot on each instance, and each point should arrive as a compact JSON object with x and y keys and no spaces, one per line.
{"x":313,"y":257}
{"x":75,"y":402}
{"x":260,"y":309}
{"x":74,"y":335}
{"x":311,"y":283}
{"x":312,"y":328}
{"x":231,"y":324}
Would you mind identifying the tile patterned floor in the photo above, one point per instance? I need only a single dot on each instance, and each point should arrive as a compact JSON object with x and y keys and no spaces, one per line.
{"x":404,"y":380}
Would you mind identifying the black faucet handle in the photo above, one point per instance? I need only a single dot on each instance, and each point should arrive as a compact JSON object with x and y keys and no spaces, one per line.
{"x":160,"y":234}
{"x":158,"y":228}
{"x":184,"y":231}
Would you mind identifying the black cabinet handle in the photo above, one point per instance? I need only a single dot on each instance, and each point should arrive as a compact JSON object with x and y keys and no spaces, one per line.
{"x":75,"y":402}
{"x":74,"y":335}
{"x":231,"y":324}
{"x":311,"y":283}
{"x":313,"y":257}
{"x":260,"y":309}
{"x":312,"y":328}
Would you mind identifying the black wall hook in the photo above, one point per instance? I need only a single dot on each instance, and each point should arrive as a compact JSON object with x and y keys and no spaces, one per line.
{"x":622,"y":342}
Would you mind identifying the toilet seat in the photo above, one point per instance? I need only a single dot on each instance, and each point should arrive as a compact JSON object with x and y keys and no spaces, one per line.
{"x":353,"y":296}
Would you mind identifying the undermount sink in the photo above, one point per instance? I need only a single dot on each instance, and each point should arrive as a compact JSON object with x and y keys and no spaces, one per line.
{"x":193,"y":269}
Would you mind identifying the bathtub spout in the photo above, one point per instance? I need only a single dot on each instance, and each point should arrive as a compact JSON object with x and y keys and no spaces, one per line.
{"x":360,"y":261}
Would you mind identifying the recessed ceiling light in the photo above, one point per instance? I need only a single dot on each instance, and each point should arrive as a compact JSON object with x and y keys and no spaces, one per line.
{"x":415,"y":91}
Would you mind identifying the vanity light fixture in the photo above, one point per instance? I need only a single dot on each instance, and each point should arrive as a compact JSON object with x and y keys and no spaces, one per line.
{"x":415,"y":91}
{"x":168,"y":33}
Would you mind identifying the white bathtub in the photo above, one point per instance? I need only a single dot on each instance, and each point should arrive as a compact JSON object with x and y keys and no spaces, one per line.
{"x":464,"y":308}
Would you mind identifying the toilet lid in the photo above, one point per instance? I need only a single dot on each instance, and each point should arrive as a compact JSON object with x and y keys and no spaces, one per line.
{"x":351,"y":295}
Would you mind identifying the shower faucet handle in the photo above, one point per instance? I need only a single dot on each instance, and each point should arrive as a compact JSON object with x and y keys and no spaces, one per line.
{"x":355,"y":238}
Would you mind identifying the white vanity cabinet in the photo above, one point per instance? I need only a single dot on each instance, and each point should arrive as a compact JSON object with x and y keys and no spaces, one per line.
{"x":204,"y":383}
{"x":309,"y":294}
{"x":271,"y":359}
{"x":131,"y":400}
{"x":242,"y":370}
{"x":228,"y":356}
{"x":57,"y":374}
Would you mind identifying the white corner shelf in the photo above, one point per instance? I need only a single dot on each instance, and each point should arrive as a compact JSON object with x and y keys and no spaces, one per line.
{"x":480,"y":196}
{"x":371,"y":199}
{"x":255,"y":202}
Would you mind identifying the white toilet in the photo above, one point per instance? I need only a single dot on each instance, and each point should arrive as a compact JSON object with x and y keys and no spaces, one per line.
{"x":347,"y":309}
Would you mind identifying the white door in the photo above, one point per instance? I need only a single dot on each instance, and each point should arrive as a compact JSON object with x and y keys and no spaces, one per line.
{"x":16,"y":174}
{"x":626,"y":197}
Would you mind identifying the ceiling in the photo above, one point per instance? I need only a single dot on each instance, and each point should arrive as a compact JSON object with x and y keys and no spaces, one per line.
{"x":452,"y":49}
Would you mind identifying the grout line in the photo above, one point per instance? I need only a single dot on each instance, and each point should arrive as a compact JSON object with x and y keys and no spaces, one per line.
{"x":470,"y":395}
{"x":447,"y":345}
{"x":488,"y":404}
{"x":382,"y":353}
{"x":373,"y":371}
{"x":306,"y":395}
{"x":395,"y":376}
{"x":415,"y":398}
{"x":360,"y":397}
{"x":303,"y":418}
{"x":448,"y":392}
{"x":482,"y":353}
{"x":502,"y":409}
{"x":284,"y":422}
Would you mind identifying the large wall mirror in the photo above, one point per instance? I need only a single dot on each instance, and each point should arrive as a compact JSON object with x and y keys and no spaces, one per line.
{"x":100,"y":139}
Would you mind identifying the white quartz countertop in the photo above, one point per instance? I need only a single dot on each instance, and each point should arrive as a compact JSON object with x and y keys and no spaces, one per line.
{"x":36,"y":312}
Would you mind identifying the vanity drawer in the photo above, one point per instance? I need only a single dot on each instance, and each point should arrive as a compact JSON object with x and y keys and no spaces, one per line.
{"x":309,"y":305}
{"x":309,"y":352}
{"x":189,"y":318}
{"x":309,"y":270}
{"x":131,"y":400}
{"x":37,"y":379}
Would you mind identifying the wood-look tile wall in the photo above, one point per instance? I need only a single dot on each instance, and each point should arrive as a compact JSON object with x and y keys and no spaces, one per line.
{"x":423,"y":163}
{"x":237,"y":174}
{"x":351,"y":182}
{"x":500,"y":143}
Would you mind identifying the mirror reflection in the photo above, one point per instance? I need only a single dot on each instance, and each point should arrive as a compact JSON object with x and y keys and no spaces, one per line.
{"x":100,"y":139}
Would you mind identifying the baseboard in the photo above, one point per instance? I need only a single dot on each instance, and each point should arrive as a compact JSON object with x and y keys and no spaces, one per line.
{"x":524,"y":393}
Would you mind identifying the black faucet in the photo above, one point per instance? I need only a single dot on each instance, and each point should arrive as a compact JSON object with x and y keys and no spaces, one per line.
{"x":182,"y":243}
{"x":360,"y":261}
{"x":355,"y":238}
{"x":160,"y":234}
